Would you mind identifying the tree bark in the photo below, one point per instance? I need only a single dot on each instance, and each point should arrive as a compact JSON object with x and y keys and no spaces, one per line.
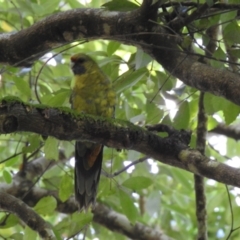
{"x":173,"y":150}
{"x":138,"y":28}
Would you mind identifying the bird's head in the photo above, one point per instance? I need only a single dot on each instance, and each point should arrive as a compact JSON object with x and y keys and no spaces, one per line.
{"x":82,"y":64}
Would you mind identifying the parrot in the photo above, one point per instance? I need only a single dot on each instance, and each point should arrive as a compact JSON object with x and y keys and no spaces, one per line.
{"x":92,"y":93}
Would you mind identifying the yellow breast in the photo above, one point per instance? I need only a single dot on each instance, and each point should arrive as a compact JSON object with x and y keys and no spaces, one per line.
{"x":93,"y":94}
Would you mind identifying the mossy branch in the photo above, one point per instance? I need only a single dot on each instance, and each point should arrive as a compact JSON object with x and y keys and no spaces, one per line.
{"x":65,"y":124}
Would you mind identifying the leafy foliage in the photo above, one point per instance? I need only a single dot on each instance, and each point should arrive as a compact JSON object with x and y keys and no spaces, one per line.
{"x":146,"y":95}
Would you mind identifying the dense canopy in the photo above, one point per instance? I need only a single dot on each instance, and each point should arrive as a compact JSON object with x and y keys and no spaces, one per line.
{"x":171,"y":161}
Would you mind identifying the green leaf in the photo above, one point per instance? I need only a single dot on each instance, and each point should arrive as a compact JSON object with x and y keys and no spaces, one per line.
{"x":214,"y":199}
{"x":11,"y":221}
{"x":128,"y":206}
{"x":217,"y":103}
{"x":137,"y":183}
{"x":234,"y":52}
{"x":26,"y":6}
{"x":47,"y":7}
{"x":227,"y":17}
{"x":211,"y":123}
{"x":193,"y":108}
{"x":30,"y":234}
{"x":112,"y":47}
{"x":230,"y":111}
{"x":231,"y":33}
{"x":51,"y":148}
{"x":108,"y":60}
{"x":182,"y":177}
{"x":76,"y":222}
{"x":75,"y":4}
{"x":14,"y":160}
{"x":46,"y":205}
{"x":164,"y":82}
{"x":218,"y":54}
{"x":129,"y":79}
{"x":154,"y":114}
{"x":65,"y":188}
{"x":142,"y":59}
{"x":82,"y":219}
{"x":202,"y":23}
{"x":7,"y":176}
{"x":59,"y":98}
{"x":33,"y":144}
{"x":210,"y":2}
{"x":56,"y":233}
{"x":120,"y":5}
{"x":17,"y":236}
{"x":130,"y":112}
{"x":187,"y":42}
{"x":182,"y":117}
{"x":209,"y":108}
{"x":22,"y":86}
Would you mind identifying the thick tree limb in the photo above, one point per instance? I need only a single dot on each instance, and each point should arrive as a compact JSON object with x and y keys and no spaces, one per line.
{"x":24,"y":47}
{"x":119,"y":223}
{"x":102,"y":214}
{"x":64,"y":125}
{"x":134,"y":28}
{"x":232,"y":131}
{"x":26,"y":214}
{"x":23,"y":187}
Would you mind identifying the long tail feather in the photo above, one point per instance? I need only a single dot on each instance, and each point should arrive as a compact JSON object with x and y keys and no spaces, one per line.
{"x":87,"y":172}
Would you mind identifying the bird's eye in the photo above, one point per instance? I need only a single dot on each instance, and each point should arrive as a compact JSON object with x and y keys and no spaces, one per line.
{"x":81,"y":60}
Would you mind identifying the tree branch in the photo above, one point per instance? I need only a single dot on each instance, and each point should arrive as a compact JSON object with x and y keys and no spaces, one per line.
{"x":134,"y":28}
{"x":66,"y":125}
{"x":26,"y":214}
{"x":102,"y":214}
{"x":181,"y":22}
{"x":27,"y":45}
{"x":199,"y":186}
{"x":232,"y":131}
{"x":225,"y":6}
{"x":119,"y":223}
{"x":38,"y":166}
